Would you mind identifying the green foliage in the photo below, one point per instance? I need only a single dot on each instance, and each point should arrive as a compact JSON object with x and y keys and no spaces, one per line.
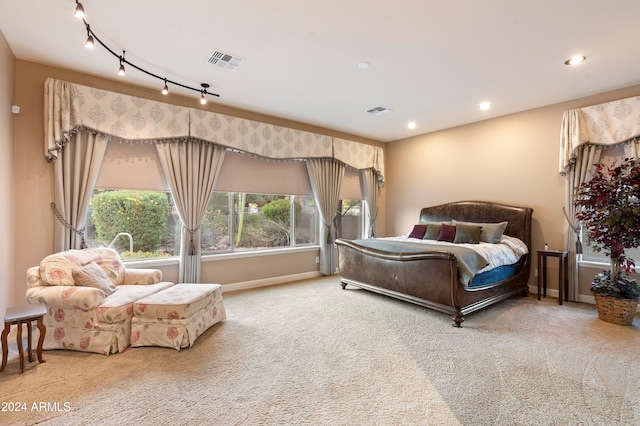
{"x":143,"y":214}
{"x":280,"y":211}
{"x":624,"y":288}
{"x":127,"y":255}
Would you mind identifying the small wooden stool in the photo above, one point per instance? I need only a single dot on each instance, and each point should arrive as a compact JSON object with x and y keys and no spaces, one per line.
{"x":19,"y":315}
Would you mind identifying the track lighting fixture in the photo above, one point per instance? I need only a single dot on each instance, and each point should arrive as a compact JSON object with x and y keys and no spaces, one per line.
{"x":203,"y":99}
{"x":90,"y":43}
{"x":79,"y":12}
{"x":121,"y":70}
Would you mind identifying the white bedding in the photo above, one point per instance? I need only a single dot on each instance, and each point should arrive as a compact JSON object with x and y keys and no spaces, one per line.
{"x":507,"y":252}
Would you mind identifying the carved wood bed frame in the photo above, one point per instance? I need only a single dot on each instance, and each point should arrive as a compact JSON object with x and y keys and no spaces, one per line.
{"x":431,"y":278}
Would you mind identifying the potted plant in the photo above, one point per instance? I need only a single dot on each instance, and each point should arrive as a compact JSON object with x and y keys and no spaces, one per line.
{"x":608,"y":205}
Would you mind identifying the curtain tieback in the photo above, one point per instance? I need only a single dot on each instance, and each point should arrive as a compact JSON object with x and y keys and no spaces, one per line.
{"x":192,"y":244}
{"x":58,"y":215}
{"x":576,"y":231}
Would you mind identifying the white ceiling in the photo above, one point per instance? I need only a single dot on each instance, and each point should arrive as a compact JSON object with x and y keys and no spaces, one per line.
{"x":432,"y":61}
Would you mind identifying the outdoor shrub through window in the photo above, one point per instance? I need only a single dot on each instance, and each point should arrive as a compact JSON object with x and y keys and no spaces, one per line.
{"x":232,"y":222}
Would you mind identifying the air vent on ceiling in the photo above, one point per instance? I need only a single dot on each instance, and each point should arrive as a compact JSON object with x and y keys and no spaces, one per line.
{"x":378,"y":110}
{"x":224,"y":60}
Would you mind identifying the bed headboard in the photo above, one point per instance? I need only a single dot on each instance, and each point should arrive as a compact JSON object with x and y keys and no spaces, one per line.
{"x":518,"y":218}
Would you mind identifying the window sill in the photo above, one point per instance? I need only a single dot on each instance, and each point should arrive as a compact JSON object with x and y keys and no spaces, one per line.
{"x":168,"y":261}
{"x":593,"y":265}
{"x":258,"y":253}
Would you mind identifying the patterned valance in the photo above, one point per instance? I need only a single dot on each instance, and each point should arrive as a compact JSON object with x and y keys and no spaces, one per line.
{"x":609,"y":123}
{"x":69,"y":107}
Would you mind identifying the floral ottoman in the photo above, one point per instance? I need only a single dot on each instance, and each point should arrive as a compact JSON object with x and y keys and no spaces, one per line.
{"x":177,"y":316}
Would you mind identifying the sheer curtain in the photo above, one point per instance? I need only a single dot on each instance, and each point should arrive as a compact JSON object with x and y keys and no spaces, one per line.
{"x":369,"y":190}
{"x":579,"y":171}
{"x":75,"y":172}
{"x":326,"y":178}
{"x":191,"y":168}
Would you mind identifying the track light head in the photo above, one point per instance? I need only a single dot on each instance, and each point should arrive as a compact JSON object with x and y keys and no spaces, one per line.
{"x":89,"y":43}
{"x":165,"y":89}
{"x":121,"y":70}
{"x":79,"y":12}
{"x":203,"y":99}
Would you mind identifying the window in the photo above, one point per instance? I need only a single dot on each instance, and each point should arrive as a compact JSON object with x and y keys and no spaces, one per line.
{"x":145,"y":224}
{"x":589,"y":254}
{"x":610,"y":156}
{"x":349,"y":221}
{"x":138,"y":224}
{"x":258,"y":221}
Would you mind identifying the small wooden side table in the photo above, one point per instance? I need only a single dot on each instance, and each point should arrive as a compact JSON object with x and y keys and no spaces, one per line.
{"x":19,"y":315}
{"x":563,"y":275}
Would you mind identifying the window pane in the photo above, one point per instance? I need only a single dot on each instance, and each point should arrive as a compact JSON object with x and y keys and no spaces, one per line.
{"x":142,"y":220}
{"x":348,"y":221}
{"x":214,"y":230}
{"x":590,"y":254}
{"x":262,"y":221}
{"x":306,"y":229}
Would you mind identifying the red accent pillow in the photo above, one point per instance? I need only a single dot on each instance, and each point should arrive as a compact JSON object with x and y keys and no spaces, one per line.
{"x":418,"y":231}
{"x":447,"y":233}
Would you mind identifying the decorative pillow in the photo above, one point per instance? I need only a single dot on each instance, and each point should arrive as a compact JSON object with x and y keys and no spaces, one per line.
{"x":110,"y":262}
{"x":418,"y":231}
{"x":491,"y":232}
{"x":467,"y":234}
{"x":56,"y":269}
{"x":92,"y":275}
{"x":433,"y":230}
{"x":447,"y":233}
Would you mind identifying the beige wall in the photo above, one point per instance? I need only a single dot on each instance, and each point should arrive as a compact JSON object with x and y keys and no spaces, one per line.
{"x":7,"y":277}
{"x":33,"y":179}
{"x":511,"y":159}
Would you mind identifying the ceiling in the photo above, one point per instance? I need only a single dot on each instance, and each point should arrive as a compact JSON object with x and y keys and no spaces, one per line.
{"x":431,"y":61}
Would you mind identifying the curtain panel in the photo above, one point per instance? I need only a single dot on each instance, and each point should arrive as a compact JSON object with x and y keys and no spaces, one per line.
{"x":70,"y":106}
{"x":584,"y":134}
{"x":75,"y":175}
{"x":191,"y":169}
{"x":326,"y":176}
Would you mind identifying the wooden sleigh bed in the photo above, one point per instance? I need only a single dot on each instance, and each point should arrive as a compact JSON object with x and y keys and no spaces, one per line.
{"x":432,"y":277}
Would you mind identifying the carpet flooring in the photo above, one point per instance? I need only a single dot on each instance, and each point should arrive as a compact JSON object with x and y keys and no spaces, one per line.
{"x":310,"y":353}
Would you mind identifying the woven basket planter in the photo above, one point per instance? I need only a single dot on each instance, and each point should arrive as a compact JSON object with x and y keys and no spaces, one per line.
{"x":616,"y":311}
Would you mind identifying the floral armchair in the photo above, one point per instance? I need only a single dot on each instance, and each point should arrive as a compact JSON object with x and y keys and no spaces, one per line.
{"x":89,"y":295}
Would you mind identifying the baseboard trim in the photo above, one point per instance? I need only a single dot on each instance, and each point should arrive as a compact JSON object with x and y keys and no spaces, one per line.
{"x":264,"y":282}
{"x":582,"y":298}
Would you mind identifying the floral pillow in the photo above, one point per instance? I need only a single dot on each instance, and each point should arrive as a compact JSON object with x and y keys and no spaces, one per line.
{"x":56,"y":269}
{"x":92,"y":275}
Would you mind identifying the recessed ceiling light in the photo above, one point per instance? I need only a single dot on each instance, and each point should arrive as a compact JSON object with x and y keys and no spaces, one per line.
{"x":575,"y":60}
{"x":485,"y":106}
{"x":364,"y":65}
{"x":411,"y":125}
